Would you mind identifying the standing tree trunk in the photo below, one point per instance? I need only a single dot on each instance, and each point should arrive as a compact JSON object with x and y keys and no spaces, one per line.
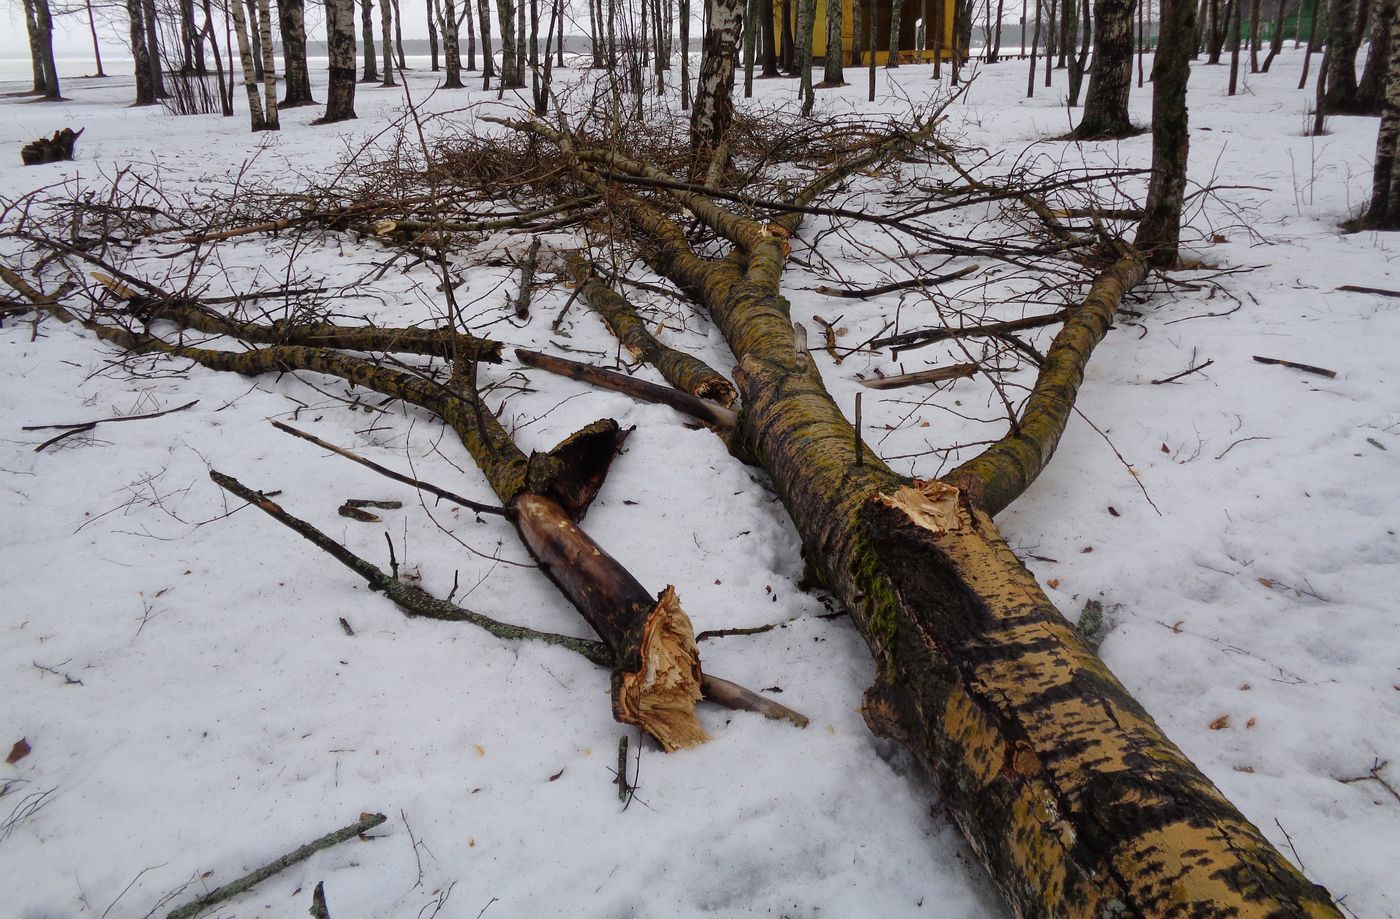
{"x":896,"y":7}
{"x":269,"y":68}
{"x":466,"y":16}
{"x":1275,"y":40}
{"x":140,"y":54}
{"x":36,"y":54}
{"x":398,"y":37}
{"x":1370,"y":92}
{"x":488,"y":58}
{"x":750,"y":45}
{"x":1312,"y":42}
{"x":245,"y":56}
{"x":1111,"y":78}
{"x":1384,"y":212}
{"x":1159,"y":233}
{"x":97,"y":49}
{"x":1079,"y":62}
{"x":41,"y":47}
{"x":386,"y":32}
{"x":510,"y":58}
{"x":225,"y":86}
{"x":451,"y":42}
{"x":1254,"y":35}
{"x":1342,"y":43}
{"x":806,"y":16}
{"x":833,"y":74}
{"x":254,"y":37}
{"x":1215,"y":46}
{"x":340,"y":33}
{"x":291,"y":21}
{"x":1035,"y":47}
{"x":371,"y":74}
{"x":153,"y":59}
{"x":434,"y":17}
{"x":1236,"y":28}
{"x":770,"y":36}
{"x":713,"y":111}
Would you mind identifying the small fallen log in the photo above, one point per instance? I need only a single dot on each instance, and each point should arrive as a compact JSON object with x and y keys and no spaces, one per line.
{"x":218,"y":895}
{"x":54,"y":149}
{"x":726,"y":419}
{"x":1306,"y":368}
{"x":523,"y":296}
{"x":936,"y":375}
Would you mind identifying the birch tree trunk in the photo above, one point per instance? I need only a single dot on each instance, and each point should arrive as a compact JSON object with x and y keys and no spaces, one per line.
{"x":153,"y":60}
{"x":1370,"y":91}
{"x":291,"y":22}
{"x":1384,"y":212}
{"x":36,"y":54}
{"x":1159,"y":233}
{"x":1111,"y":77}
{"x":1341,"y":54}
{"x":245,"y":57}
{"x":833,"y":74}
{"x":371,"y":73}
{"x":434,"y":17}
{"x":896,"y":7}
{"x":488,"y":57}
{"x":340,"y":34}
{"x":510,"y":59}
{"x":386,"y":32}
{"x":451,"y":42}
{"x":713,"y":111}
{"x":270,"y":120}
{"x":43,"y":22}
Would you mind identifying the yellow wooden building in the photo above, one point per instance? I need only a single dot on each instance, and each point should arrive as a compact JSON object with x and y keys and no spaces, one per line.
{"x":912,"y":14}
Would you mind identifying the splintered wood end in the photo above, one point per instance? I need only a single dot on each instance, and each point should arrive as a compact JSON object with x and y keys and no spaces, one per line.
{"x":661,"y":697}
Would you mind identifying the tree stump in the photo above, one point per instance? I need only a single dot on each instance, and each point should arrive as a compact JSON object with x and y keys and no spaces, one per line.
{"x":51,"y":149}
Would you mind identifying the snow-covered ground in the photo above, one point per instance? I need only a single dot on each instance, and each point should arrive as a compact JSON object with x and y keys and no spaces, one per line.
{"x":194,"y":707}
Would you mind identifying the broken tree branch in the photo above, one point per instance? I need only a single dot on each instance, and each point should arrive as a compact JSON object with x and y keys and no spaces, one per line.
{"x":82,"y":426}
{"x":726,"y":419}
{"x":366,"y":823}
{"x":936,"y":375}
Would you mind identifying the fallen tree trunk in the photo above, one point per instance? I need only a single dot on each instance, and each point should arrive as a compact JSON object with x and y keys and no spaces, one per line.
{"x":1071,"y":795}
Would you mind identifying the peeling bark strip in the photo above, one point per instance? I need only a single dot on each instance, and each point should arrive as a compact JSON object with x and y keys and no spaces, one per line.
{"x":1070,"y":794}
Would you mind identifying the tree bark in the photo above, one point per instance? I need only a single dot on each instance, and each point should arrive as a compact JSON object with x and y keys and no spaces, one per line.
{"x":97,"y":48}
{"x":43,"y":21}
{"x":488,"y":58}
{"x":291,"y":22}
{"x":371,"y":72}
{"x":340,"y":33}
{"x":1236,"y":28}
{"x":1111,"y":77}
{"x":451,"y":43}
{"x":1370,"y":91}
{"x":1159,"y":233}
{"x":36,"y":53}
{"x":896,"y":7}
{"x":386,"y":34}
{"x":1384,"y":211}
{"x":1276,"y":40}
{"x":713,"y":111}
{"x":1067,"y":790}
{"x":153,"y":58}
{"x":434,"y":17}
{"x":245,"y":57}
{"x":833,"y":74}
{"x":269,"y":66}
{"x":511,"y":77}
{"x":1342,"y":44}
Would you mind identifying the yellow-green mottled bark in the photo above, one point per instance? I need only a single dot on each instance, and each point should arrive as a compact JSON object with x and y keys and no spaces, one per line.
{"x":1068,"y":791}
